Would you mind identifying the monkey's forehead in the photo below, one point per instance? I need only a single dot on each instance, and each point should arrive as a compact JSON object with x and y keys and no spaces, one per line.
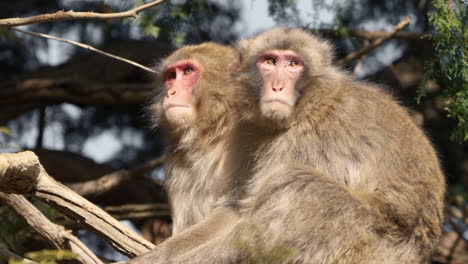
{"x":206,"y":54}
{"x":311,"y":48}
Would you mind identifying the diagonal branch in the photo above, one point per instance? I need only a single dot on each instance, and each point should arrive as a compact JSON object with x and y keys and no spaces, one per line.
{"x":72,"y":15}
{"x":85,"y":47}
{"x":22,"y":173}
{"x":54,"y":234}
{"x":7,"y":256}
{"x":109,"y":181}
{"x":348,"y":59}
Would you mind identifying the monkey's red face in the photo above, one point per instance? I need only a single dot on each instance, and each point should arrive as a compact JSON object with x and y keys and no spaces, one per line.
{"x":280,"y":70}
{"x":179,"y":81}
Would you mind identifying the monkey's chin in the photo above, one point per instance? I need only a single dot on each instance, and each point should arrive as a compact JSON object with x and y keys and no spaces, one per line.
{"x":180,"y":116}
{"x":276,"y":111}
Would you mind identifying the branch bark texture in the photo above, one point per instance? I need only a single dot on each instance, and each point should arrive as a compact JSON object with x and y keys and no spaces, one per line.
{"x":22,"y":173}
{"x":348,"y":59}
{"x":54,"y":234}
{"x":72,"y":15}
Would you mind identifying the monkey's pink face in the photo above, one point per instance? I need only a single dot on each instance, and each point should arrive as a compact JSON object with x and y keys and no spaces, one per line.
{"x":280,"y":70}
{"x":179,"y":81}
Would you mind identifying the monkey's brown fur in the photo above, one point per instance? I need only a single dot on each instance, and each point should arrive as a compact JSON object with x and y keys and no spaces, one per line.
{"x":347,"y":178}
{"x":196,"y":150}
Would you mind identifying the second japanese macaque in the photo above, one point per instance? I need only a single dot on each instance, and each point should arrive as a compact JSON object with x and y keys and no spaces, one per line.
{"x":338,"y":172}
{"x":193,"y":109}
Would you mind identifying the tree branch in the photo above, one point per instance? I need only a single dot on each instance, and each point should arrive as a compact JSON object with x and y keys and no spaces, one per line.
{"x":54,"y":234}
{"x":348,"y":59}
{"x":109,"y":181}
{"x":138,"y":211}
{"x":22,"y":173}
{"x":85,"y":47}
{"x":373,"y":35}
{"x":71,"y":15}
{"x":7,"y":255}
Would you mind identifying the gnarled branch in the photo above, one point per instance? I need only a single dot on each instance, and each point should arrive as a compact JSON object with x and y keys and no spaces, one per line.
{"x":54,"y":234}
{"x":348,"y":59}
{"x":72,"y":15}
{"x":22,"y":173}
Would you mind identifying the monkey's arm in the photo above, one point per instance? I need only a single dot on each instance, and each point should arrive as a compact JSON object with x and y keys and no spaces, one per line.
{"x":314,"y":218}
{"x":220,"y":219}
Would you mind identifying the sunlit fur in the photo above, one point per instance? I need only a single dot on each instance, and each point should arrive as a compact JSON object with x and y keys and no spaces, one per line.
{"x":347,"y":178}
{"x":196,"y":148}
{"x":275,"y":111}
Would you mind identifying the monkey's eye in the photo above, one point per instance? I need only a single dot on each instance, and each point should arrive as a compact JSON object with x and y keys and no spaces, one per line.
{"x":293,"y":63}
{"x":172,"y":75}
{"x":188,"y":70}
{"x":270,"y":61}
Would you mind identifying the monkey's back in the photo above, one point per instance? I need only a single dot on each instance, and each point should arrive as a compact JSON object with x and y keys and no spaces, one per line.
{"x":361,"y":137}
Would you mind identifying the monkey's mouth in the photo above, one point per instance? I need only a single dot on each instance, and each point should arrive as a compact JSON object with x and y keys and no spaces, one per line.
{"x":169,"y":106}
{"x":276,"y":100}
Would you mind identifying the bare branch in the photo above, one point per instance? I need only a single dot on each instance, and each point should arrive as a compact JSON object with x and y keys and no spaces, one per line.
{"x":85,"y":47}
{"x":22,"y":173}
{"x":138,"y":211}
{"x":7,"y":255}
{"x":54,"y":234}
{"x":373,"y":35}
{"x":111,"y":180}
{"x":348,"y":59}
{"x":71,"y":15}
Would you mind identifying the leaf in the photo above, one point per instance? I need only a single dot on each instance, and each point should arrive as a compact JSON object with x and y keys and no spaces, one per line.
{"x":5,"y":130}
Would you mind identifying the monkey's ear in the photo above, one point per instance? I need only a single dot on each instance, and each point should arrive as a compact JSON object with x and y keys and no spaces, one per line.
{"x":241,"y":48}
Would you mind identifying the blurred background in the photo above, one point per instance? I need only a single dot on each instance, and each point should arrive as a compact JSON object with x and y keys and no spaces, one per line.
{"x":84,"y":114}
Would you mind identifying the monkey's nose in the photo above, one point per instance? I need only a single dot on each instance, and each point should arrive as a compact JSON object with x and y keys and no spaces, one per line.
{"x":277,"y":86}
{"x":170,"y":93}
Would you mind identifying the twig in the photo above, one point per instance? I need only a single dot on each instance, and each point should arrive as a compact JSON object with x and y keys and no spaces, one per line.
{"x":7,"y":255}
{"x":348,"y":59}
{"x":107,"y":182}
{"x":41,"y":127}
{"x":54,"y":234}
{"x":22,"y":173}
{"x":85,"y":47}
{"x":138,"y":211}
{"x":71,"y":15}
{"x":373,"y":35}
{"x":360,"y":62}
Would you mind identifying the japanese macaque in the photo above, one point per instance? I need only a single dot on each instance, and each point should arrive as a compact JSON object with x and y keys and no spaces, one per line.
{"x":340,"y":172}
{"x":193,"y":109}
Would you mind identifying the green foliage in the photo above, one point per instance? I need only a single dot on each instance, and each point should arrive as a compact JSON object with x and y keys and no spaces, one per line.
{"x":5,"y":130}
{"x":450,"y":64}
{"x":14,"y":233}
{"x":47,"y":256}
{"x":459,"y":190}
{"x":188,"y":21}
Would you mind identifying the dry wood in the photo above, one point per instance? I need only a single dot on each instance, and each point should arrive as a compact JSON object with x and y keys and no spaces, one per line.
{"x":71,"y":15}
{"x":22,"y":173}
{"x":7,"y":255}
{"x":54,"y":234}
{"x":373,"y":35}
{"x":86,"y":47}
{"x":348,"y":59}
{"x":109,"y":181}
{"x":138,"y":211}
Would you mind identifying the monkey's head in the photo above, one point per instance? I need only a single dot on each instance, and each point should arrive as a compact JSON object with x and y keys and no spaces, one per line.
{"x":195,"y":84}
{"x":277,"y":66}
